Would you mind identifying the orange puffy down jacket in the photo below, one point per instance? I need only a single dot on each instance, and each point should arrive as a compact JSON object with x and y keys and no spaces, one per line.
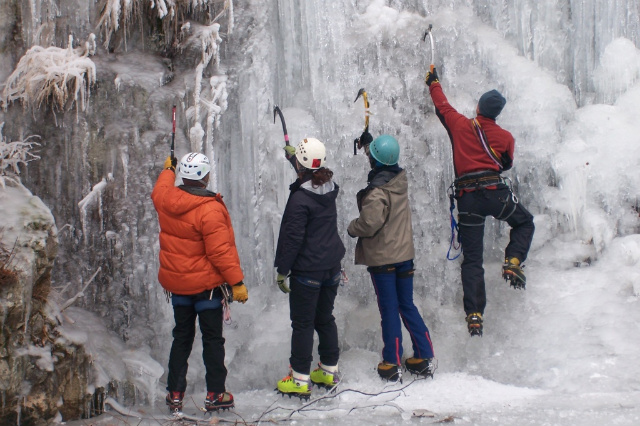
{"x":197,"y":246}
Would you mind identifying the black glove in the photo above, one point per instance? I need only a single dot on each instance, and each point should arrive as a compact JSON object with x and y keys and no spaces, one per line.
{"x":365,"y":138}
{"x":507,"y":161}
{"x":432,"y":77}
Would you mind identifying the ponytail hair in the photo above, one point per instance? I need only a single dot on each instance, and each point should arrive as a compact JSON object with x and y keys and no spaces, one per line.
{"x":317,"y":177}
{"x":321,"y":176}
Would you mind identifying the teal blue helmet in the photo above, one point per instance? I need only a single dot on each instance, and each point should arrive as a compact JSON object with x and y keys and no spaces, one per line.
{"x":385,"y":150}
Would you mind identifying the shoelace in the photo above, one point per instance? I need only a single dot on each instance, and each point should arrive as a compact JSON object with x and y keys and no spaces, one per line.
{"x":325,"y":370}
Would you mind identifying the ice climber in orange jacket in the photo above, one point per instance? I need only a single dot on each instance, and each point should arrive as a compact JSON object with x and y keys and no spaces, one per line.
{"x":198,"y":263}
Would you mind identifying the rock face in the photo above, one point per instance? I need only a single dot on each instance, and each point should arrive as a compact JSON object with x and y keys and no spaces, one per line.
{"x":37,"y":369}
{"x":97,"y":171}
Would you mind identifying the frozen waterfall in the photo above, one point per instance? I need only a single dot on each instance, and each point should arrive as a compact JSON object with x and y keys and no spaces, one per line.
{"x":570,"y":71}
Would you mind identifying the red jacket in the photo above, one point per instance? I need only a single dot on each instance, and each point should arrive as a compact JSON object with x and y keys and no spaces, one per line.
{"x":468,"y":153}
{"x":197,"y":246}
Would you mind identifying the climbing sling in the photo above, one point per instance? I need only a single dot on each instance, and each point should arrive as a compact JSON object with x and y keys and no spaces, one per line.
{"x":482,"y":138}
{"x":454,"y":242}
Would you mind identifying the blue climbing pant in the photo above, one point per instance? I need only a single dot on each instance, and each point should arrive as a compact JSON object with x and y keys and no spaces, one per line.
{"x":394,"y":289}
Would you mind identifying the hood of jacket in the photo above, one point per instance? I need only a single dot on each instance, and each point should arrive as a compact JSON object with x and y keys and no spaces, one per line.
{"x":183,"y":199}
{"x":392,"y":180}
{"x":324,"y":194}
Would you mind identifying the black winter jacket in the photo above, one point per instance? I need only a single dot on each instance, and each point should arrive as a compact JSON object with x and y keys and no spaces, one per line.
{"x":309,"y":240}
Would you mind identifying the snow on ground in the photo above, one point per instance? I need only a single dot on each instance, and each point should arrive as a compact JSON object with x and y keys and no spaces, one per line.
{"x":458,"y":398}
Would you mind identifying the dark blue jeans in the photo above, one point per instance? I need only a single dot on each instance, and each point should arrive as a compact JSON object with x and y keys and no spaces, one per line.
{"x":473,"y":208}
{"x":394,"y":289}
{"x":311,"y":308}
{"x":212,"y":343}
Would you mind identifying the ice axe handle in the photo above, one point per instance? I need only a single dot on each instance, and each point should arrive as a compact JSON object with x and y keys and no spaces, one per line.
{"x":424,"y":38}
{"x":173,"y":132}
{"x":276,"y":110}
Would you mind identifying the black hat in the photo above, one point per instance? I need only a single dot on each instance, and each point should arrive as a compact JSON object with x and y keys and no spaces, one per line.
{"x":491,"y":104}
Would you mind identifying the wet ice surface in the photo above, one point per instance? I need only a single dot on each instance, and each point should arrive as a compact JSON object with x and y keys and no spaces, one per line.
{"x":455,"y":398}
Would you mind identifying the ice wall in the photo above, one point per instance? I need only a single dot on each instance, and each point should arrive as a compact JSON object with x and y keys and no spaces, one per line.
{"x":311,"y":58}
{"x":544,"y":56}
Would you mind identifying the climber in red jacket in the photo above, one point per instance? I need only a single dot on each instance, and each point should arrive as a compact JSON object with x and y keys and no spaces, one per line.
{"x":481,"y":151}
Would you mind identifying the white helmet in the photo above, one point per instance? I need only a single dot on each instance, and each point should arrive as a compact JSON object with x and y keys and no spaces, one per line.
{"x":194,"y":166}
{"x":311,"y":153}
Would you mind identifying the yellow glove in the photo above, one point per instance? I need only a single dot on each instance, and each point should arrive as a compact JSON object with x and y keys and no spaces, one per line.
{"x":282,"y":283}
{"x":170,"y":163}
{"x":240,"y":292}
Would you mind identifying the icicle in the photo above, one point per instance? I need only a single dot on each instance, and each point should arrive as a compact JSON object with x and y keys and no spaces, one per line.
{"x":90,"y":198}
{"x":13,"y":154}
{"x":124,"y":156}
{"x":230,"y":17}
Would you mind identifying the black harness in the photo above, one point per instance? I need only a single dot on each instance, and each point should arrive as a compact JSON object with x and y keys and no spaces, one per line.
{"x":477,"y":180}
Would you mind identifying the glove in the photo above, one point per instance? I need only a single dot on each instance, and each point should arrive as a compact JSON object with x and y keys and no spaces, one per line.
{"x":240,"y":293}
{"x":432,"y":77}
{"x":365,"y":138}
{"x":507,"y":162}
{"x":290,"y":151}
{"x":282,"y":283}
{"x":170,"y":163}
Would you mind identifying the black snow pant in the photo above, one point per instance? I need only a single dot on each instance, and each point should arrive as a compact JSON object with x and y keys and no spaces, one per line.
{"x":212,"y":348}
{"x":311,"y":308}
{"x":473,"y":208}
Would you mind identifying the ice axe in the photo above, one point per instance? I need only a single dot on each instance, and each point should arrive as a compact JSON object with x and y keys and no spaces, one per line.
{"x":424,"y":38}
{"x":173,"y":132}
{"x":356,"y":143}
{"x":276,"y":110}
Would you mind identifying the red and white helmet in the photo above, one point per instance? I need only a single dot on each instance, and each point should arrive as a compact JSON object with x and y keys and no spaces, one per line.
{"x":194,"y":166}
{"x":311,"y":153}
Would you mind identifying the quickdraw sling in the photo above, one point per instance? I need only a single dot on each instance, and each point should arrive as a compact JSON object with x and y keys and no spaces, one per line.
{"x":454,"y":242}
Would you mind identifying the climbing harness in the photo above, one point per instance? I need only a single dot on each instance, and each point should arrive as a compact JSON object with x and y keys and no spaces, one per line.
{"x":477,"y":180}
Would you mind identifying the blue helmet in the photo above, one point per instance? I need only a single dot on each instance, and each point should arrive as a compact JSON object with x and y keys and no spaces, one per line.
{"x":385,"y":149}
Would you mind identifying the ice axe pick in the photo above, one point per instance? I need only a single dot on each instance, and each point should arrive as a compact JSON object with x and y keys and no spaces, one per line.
{"x":356,"y":143}
{"x":424,"y":38}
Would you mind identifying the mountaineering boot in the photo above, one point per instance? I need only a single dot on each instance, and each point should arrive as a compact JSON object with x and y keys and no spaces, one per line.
{"x":511,"y":271}
{"x":474,"y":323}
{"x":388,"y":371}
{"x":295,"y":384}
{"x":421,"y":367}
{"x":218,"y":401}
{"x":325,"y":376}
{"x":174,"y":401}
